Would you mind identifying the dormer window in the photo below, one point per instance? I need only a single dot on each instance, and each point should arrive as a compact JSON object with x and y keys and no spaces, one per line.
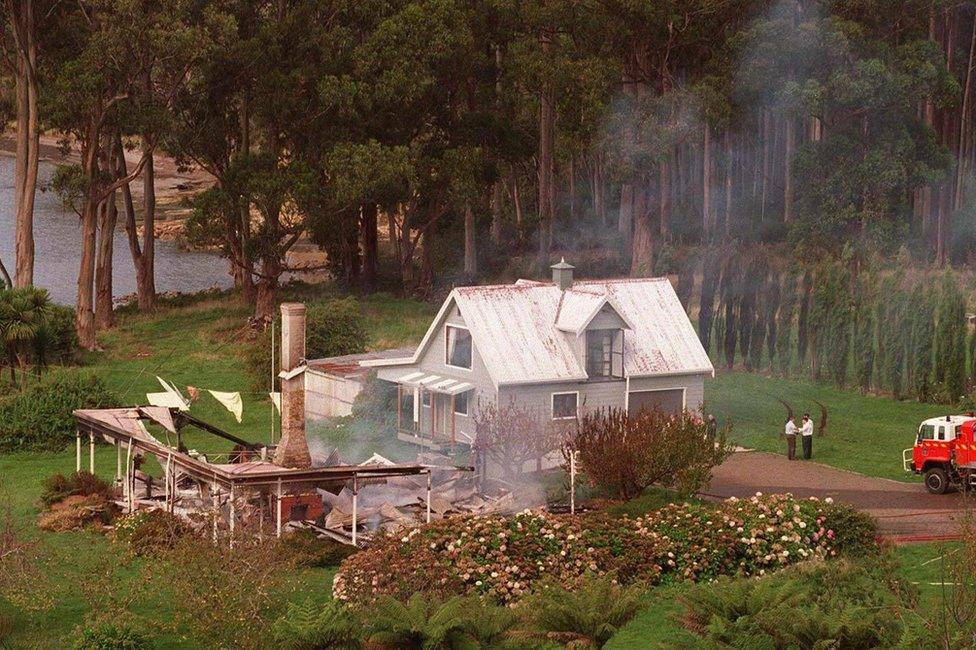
{"x":605,"y":353}
{"x":458,"y":352}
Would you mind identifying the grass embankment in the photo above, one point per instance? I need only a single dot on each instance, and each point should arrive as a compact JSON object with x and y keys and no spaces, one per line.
{"x":865,"y":434}
{"x":201,"y":344}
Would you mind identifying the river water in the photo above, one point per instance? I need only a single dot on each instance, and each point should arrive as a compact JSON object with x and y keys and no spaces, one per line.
{"x":57,"y":237}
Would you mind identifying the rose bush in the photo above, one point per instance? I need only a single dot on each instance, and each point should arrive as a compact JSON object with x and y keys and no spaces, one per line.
{"x":502,"y":558}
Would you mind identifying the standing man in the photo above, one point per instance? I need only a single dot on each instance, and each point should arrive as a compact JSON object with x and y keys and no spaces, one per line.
{"x":790,"y":434}
{"x":807,"y":432}
{"x":711,"y":427}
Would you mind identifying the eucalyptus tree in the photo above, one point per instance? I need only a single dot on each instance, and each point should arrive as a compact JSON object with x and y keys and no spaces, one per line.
{"x":100,"y":88}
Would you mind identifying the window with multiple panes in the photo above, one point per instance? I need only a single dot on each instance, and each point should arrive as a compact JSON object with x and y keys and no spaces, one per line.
{"x":425,"y":398}
{"x":458,"y":352}
{"x":564,"y":405}
{"x":604,"y":353}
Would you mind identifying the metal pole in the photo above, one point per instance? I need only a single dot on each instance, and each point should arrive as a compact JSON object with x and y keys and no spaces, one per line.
{"x":428,"y":496}
{"x":77,"y":451}
{"x":355,"y":507}
{"x":572,"y":482}
{"x":278,"y":505}
{"x":91,"y":453}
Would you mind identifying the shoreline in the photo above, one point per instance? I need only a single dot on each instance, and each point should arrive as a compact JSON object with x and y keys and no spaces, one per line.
{"x":173,"y":186}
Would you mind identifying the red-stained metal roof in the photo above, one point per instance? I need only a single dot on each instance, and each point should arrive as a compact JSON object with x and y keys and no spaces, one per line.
{"x":529,"y":332}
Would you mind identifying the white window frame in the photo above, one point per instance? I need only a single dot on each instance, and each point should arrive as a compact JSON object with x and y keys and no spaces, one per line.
{"x":447,"y":356}
{"x":552,"y":405}
{"x":683,"y":389}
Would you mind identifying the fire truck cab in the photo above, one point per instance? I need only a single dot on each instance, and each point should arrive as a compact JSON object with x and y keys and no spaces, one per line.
{"x":944,"y":453}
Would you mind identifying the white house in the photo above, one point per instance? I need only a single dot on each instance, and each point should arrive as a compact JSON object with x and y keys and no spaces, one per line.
{"x":558,"y":347}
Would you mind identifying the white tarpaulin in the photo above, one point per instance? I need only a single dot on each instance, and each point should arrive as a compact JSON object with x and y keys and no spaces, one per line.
{"x":160,"y":415}
{"x":231,"y":401}
{"x":276,"y":400}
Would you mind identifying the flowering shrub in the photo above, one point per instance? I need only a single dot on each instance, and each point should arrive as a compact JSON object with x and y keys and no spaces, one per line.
{"x":502,"y":558}
{"x":742,"y":537}
{"x":498,"y":557}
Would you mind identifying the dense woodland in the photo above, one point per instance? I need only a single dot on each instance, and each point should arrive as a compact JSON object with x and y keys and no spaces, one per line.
{"x":434,"y":141}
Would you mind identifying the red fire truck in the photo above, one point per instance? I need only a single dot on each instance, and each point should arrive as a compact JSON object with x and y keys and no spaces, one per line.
{"x":944,"y":452}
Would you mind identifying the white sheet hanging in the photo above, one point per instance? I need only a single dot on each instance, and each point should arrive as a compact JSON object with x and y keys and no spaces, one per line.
{"x":276,"y":400}
{"x":231,"y":401}
{"x":167,"y":399}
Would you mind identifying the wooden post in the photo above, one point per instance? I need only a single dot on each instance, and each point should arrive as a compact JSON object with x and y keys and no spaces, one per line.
{"x":91,"y":453}
{"x":453,"y":423}
{"x":278,"y":506}
{"x":167,"y":479}
{"x":216,"y":510}
{"x":233,"y":515}
{"x":77,"y":451}
{"x":355,"y":507}
{"x":399,"y":408}
{"x":428,"y":496}
{"x":129,"y":477}
{"x":118,"y":461}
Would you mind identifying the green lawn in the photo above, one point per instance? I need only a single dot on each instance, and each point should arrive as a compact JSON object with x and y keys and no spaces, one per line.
{"x":864,"y":434}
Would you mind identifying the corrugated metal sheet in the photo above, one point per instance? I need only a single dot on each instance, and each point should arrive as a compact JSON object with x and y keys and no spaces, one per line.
{"x":515,"y":328}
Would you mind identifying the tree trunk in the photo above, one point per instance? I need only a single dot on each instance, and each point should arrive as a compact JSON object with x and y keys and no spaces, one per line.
{"x":23,"y":28}
{"x":143,"y":254}
{"x":370,"y":244}
{"x":108,"y":217}
{"x":788,"y":170}
{"x":641,"y":256}
{"x":5,"y":277}
{"x":708,"y":225}
{"x":664,"y":192}
{"x":547,"y":118}
{"x":728,"y":183}
{"x":470,"y":250}
{"x":961,"y":167}
{"x":84,"y":307}
{"x":625,"y":216}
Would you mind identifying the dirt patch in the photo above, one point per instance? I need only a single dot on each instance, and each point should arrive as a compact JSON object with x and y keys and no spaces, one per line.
{"x":905,"y":511}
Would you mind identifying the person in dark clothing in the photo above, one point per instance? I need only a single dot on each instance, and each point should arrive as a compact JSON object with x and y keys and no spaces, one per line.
{"x":711,"y":427}
{"x":790,"y":433}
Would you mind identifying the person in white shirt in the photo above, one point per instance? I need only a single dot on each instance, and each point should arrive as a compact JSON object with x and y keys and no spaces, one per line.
{"x":790,"y":433}
{"x":806,"y":430}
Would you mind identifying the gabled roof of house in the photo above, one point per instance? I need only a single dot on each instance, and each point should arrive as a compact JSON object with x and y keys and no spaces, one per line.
{"x":525,"y":331}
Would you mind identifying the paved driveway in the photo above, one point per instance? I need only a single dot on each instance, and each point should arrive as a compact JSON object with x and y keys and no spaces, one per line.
{"x":905,"y":511}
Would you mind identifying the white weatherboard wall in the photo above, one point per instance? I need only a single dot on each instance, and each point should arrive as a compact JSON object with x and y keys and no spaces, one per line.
{"x":433,"y":361}
{"x":328,"y":396}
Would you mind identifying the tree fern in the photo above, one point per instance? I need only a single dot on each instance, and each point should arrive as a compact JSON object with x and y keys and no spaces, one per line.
{"x":588,"y":616}
{"x":307,"y":626}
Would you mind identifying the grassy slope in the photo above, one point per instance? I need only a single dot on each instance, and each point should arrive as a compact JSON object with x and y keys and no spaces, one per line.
{"x":197,"y":345}
{"x":864,"y":434}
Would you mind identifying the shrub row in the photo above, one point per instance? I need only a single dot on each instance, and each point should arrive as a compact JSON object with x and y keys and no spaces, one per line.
{"x":504,"y":557}
{"x":39,"y":418}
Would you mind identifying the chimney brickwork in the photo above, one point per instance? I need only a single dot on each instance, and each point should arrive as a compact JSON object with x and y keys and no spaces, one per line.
{"x":292,"y":450}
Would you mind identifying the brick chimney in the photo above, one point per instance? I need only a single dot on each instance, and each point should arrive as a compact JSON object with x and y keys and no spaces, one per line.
{"x":292,"y":449}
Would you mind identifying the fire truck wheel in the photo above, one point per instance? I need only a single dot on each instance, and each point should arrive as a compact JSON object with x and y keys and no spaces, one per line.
{"x":936,"y":481}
